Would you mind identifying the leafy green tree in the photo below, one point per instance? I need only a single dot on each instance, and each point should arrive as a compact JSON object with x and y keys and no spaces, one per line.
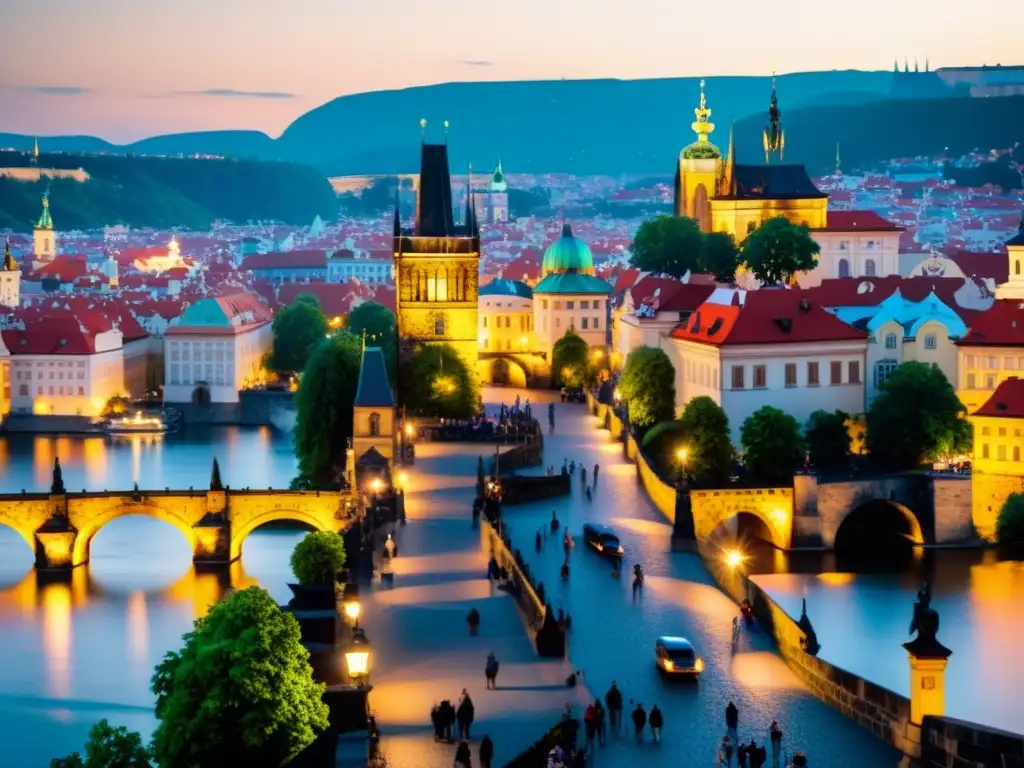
{"x":779,"y":249}
{"x":719,"y":256}
{"x":648,"y":387}
{"x":323,"y":408}
{"x":298,"y":329}
{"x":216,"y":484}
{"x":916,"y":414}
{"x":378,"y":322}
{"x":709,"y":451}
{"x":318,"y":557}
{"x":240,"y":691}
{"x":828,"y":439}
{"x":773,"y":447}
{"x":669,"y":244}
{"x":570,"y":361}
{"x":108,"y":747}
{"x":440,"y":384}
{"x":1010,"y":523}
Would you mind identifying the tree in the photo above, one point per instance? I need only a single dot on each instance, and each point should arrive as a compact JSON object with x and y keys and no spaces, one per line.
{"x":108,"y":747}
{"x":709,"y":451}
{"x":719,"y":256}
{"x":669,"y":244}
{"x":916,"y":414}
{"x":215,"y":481}
{"x":318,"y":557}
{"x":379,"y":325}
{"x":828,"y":439}
{"x":773,"y":447}
{"x":298,"y":329}
{"x":1010,"y":523}
{"x":648,"y":387}
{"x":439,"y":384}
{"x":240,"y":691}
{"x":570,"y":361}
{"x":777,"y":250}
{"x":323,"y":408}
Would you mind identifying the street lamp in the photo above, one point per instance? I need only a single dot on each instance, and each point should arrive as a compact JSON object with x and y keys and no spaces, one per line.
{"x":357,"y":658}
{"x":681,"y":456}
{"x":353,"y":609}
{"x":734,"y":558}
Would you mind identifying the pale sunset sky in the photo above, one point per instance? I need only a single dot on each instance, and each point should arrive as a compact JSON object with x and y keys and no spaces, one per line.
{"x":127,"y":69}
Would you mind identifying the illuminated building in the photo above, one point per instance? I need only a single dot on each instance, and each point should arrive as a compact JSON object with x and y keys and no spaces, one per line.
{"x":1013,"y":288}
{"x":10,"y":279}
{"x":506,"y":316}
{"x":43,"y":236}
{"x":436,"y":267}
{"x":998,"y":468}
{"x":373,"y":411}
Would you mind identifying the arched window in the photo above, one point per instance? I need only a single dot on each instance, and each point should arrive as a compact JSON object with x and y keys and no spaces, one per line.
{"x":415,"y":287}
{"x":439,"y":325}
{"x":463,"y":275}
{"x":374,"y":425}
{"x":890,"y":341}
{"x":442,"y":284}
{"x":844,"y":268}
{"x":869,"y":268}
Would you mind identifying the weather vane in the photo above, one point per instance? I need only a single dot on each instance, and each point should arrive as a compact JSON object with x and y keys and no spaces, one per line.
{"x":423,"y":127}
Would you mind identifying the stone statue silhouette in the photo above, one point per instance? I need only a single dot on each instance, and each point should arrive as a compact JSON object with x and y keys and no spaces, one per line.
{"x":926,"y":619}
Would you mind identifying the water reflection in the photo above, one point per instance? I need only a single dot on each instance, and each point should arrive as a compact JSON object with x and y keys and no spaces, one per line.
{"x":56,"y":636}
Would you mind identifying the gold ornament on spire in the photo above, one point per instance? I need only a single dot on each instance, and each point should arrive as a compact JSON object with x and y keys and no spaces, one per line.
{"x":702,"y":126}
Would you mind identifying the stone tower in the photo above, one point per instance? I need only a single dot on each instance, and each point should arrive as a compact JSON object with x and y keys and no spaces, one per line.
{"x":698,"y":170}
{"x":10,"y":279}
{"x":436,"y":267}
{"x":43,"y":237}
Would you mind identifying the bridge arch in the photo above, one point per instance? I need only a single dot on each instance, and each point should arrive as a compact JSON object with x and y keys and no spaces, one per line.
{"x":28,"y":536}
{"x":239,"y":533}
{"x":503,"y":370}
{"x":89,"y":526}
{"x":878,"y":523}
{"x":766,"y":513}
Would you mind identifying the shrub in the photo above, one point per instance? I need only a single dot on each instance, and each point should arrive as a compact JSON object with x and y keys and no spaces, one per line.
{"x":318,"y":557}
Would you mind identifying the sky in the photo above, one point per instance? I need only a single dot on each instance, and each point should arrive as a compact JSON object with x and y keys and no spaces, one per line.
{"x":127,"y":69}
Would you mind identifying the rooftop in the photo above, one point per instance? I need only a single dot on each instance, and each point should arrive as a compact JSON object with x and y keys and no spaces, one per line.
{"x":504,"y":287}
{"x":374,"y":390}
{"x":1000,"y":326}
{"x":1007,"y":402}
{"x":572,"y":283}
{"x":853,"y":221}
{"x":286,"y":260}
{"x":772,"y":182}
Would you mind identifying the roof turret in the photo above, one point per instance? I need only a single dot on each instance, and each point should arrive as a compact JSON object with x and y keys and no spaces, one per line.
{"x":567,"y":254}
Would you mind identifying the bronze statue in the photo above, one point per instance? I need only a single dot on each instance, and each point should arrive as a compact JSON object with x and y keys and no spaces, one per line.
{"x":926,"y":619}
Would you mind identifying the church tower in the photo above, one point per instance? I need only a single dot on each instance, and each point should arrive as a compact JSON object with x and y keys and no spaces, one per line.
{"x":1013,"y":288}
{"x":43,"y":236}
{"x":699,"y":169}
{"x":10,"y":279}
{"x":774,"y":138}
{"x":437,"y":266}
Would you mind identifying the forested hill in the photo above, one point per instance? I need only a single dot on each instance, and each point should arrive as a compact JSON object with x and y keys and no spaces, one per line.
{"x":165,"y":192}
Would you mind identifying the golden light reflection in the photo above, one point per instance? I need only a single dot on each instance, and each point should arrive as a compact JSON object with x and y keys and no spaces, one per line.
{"x":455,"y":591}
{"x":836,"y":579}
{"x":21,"y":598}
{"x":764,"y":670}
{"x":643,"y":527}
{"x":464,"y":562}
{"x":42,"y":468}
{"x":136,"y":458}
{"x":56,"y":625}
{"x":137,"y":626}
{"x":710,"y":602}
{"x":94,"y":452}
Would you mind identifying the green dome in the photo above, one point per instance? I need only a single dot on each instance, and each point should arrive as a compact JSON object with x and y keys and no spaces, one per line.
{"x":567,"y":254}
{"x":701,"y":151}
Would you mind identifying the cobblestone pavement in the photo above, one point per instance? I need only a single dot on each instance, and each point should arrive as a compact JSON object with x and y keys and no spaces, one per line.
{"x":613,"y":635}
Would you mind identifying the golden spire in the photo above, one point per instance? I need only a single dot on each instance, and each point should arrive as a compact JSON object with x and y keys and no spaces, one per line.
{"x":702,"y":126}
{"x":10,"y":265}
{"x":729,"y":166}
{"x":35,"y":149}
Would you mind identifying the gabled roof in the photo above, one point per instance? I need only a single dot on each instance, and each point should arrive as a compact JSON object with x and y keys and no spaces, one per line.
{"x":58,"y":335}
{"x":1000,"y":326}
{"x":772,"y":182}
{"x":862,"y":221}
{"x":666,"y":294}
{"x":371,"y":458}
{"x":374,"y":390}
{"x":1007,"y":402}
{"x":771,"y":316}
{"x":572,"y":283}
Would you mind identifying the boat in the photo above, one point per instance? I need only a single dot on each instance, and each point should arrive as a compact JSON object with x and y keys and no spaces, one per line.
{"x":135,"y":425}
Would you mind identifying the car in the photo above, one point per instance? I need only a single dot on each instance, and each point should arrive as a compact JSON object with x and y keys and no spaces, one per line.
{"x":675,"y":656}
{"x":603,"y":539}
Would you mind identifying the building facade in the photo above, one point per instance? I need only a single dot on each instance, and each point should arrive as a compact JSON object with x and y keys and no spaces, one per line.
{"x":652,"y":308}
{"x":287,"y":266}
{"x":10,"y":279}
{"x":345,"y":265}
{"x":374,"y":425}
{"x":505,"y":312}
{"x":998,"y":466}
{"x":854,"y":244}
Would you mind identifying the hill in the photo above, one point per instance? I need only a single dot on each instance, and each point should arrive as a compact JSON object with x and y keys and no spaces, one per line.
{"x":167,"y":192}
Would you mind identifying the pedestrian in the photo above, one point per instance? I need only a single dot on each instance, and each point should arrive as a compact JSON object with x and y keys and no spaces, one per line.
{"x":732,"y":721}
{"x":554,"y":520}
{"x":590,"y":725}
{"x":656,"y":720}
{"x":572,"y":467}
{"x":486,"y":752}
{"x":583,"y":476}
{"x":473,"y":619}
{"x":491,"y":671}
{"x":725,"y":753}
{"x":775,"y":736}
{"x":741,"y":755}
{"x":613,"y":700}
{"x":799,"y":760}
{"x":600,"y":721}
{"x":446,"y":716}
{"x":757,"y":755}
{"x":538,"y":541}
{"x":463,"y":757}
{"x":639,"y":721}
{"x":597,"y":468}
{"x":464,"y":715}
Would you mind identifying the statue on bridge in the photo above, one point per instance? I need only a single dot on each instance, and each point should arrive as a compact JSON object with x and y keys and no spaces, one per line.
{"x":926,"y":624}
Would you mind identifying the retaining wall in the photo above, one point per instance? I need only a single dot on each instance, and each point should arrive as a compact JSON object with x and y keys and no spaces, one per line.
{"x":949,"y":743}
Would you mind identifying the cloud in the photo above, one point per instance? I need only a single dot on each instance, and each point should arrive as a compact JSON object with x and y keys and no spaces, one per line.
{"x":231,"y":92}
{"x":56,"y":90}
{"x":476,"y":63}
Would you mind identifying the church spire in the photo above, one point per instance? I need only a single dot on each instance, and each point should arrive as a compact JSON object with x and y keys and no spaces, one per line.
{"x":10,"y":265}
{"x":895,"y":64}
{"x":702,"y":126}
{"x":839,"y":161}
{"x":906,"y":63}
{"x":45,"y":220}
{"x":729,"y":166}
{"x":470,"y":218}
{"x":35,"y":151}
{"x":398,"y":215}
{"x":773,"y":137}
{"x":916,"y":68}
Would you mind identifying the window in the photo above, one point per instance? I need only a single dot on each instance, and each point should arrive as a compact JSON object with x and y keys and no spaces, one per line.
{"x":584,"y":305}
{"x":23,"y":390}
{"x":751,"y":226}
{"x":869,"y":268}
{"x":1000,"y":453}
{"x":558,"y":305}
{"x":991,"y":364}
{"x":596,"y":321}
{"x":812,"y":375}
{"x":1016,"y":267}
{"x":835,"y":372}
{"x":985,"y":431}
{"x":737,"y":377}
{"x":929,"y":341}
{"x":790,"y":374}
{"x":81,"y":390}
{"x":570,"y":305}
{"x":984,"y":450}
{"x":883,"y":370}
{"x":486,"y":343}
{"x":543,"y":303}
{"x":844,"y":268}
{"x":584,"y":326}
{"x":1009,"y":363}
{"x":1002,"y":431}
{"x":871,"y":244}
{"x":971,"y":382}
{"x":842,"y":245}
{"x":558,"y":322}
{"x":990,"y":382}
{"x":39,"y":390}
{"x":890,"y":341}
{"x":485,"y":321}
{"x":853,"y":371}
{"x":760,"y":377}
{"x":1016,"y":453}
{"x":439,"y":325}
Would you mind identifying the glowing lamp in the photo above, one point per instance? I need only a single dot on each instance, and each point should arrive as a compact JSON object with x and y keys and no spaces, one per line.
{"x":403,"y":479}
{"x":734,"y":558}
{"x":681,"y":455}
{"x":352,"y":609}
{"x":409,"y":430}
{"x":357,"y":657}
{"x":698,"y":665}
{"x":376,"y":485}
{"x":523,"y":341}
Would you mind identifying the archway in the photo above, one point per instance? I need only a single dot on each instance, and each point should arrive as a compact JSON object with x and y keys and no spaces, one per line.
{"x":201,"y":394}
{"x":302,"y":519}
{"x":138,"y":553}
{"x":500,"y":372}
{"x":503,"y":372}
{"x":16,"y":560}
{"x":88,"y":530}
{"x":877,"y":534}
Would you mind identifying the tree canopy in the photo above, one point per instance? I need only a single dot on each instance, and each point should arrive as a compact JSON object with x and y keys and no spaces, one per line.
{"x":648,"y":387}
{"x":570,"y":361}
{"x":1010,"y":523}
{"x":438,"y":383}
{"x":318,"y":557}
{"x":108,"y":747}
{"x":378,"y":322}
{"x":719,"y":256}
{"x":669,"y":244}
{"x":709,"y":450}
{"x":828,"y":439}
{"x":916,"y":415}
{"x":323,"y":408}
{"x":240,"y":691}
{"x":773,"y":447}
{"x":298,"y":329}
{"x":779,"y":249}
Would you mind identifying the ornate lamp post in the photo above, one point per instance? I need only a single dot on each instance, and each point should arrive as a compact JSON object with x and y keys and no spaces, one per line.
{"x":358,"y":658}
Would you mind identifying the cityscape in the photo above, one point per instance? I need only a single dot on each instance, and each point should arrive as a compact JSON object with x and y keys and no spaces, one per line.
{"x":698,"y":436}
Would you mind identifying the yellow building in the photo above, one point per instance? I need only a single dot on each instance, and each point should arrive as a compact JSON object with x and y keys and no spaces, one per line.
{"x":724,"y":196}
{"x":505,"y":312}
{"x":436,"y":267}
{"x":373,"y":421}
{"x":998,"y":468}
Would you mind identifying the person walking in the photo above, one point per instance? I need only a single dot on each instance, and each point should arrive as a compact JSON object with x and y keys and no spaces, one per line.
{"x":639,"y":721}
{"x":590,"y":726}
{"x":799,"y":760}
{"x":473,"y":620}
{"x":600,"y":721}
{"x":463,"y":757}
{"x":756,"y":755}
{"x":464,"y":715}
{"x":656,"y":721}
{"x":583,"y":476}
{"x":491,"y":671}
{"x":486,"y":752}
{"x":741,"y":755}
{"x":725,"y":753}
{"x":732,"y":721}
{"x":775,"y":737}
{"x":597,"y":468}
{"x":613,"y":700}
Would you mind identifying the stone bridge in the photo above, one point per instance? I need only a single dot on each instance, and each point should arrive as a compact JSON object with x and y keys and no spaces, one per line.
{"x":515,"y":369}
{"x":59,"y":527}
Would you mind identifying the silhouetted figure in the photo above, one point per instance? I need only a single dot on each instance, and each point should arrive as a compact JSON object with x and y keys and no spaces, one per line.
{"x":486,"y":752}
{"x":464,"y":715}
{"x":463,"y":757}
{"x":597,"y":468}
{"x":491,"y":671}
{"x":732,"y":721}
{"x":473,"y":619}
{"x":775,"y":736}
{"x":613,"y":700}
{"x":656,"y":721}
{"x":639,"y":721}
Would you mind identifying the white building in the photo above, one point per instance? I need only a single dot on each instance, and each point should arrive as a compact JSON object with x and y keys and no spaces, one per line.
{"x":748,"y":349}
{"x":215,"y":348}
{"x":10,"y":279}
{"x":652,"y":307}
{"x":344,"y":265}
{"x":855,"y":244}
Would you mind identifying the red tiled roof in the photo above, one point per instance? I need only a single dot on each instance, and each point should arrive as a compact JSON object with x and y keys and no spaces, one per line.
{"x":866,"y":221}
{"x":626,"y":279}
{"x":1002,"y":325}
{"x":765,"y":317}
{"x":286,"y":260}
{"x":336,"y":299}
{"x":870,"y":291}
{"x":995,"y":266}
{"x":666,"y":294}
{"x":1007,"y":402}
{"x":57,"y":335}
{"x":66,"y":269}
